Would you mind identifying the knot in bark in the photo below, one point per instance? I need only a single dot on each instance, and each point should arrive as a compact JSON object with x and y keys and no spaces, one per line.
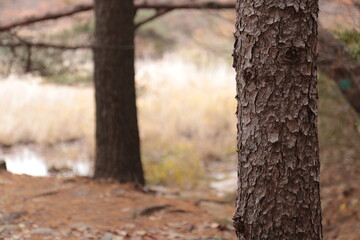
{"x":294,"y":55}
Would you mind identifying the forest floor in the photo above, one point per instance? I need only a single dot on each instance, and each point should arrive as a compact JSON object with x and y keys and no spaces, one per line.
{"x":82,"y":208}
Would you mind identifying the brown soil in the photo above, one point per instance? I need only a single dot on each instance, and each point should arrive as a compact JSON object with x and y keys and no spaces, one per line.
{"x":82,"y":208}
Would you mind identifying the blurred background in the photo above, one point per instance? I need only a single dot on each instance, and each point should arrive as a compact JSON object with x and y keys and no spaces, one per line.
{"x":185,"y":97}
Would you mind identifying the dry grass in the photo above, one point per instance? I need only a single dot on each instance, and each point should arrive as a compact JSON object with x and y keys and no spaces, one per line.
{"x":186,"y":116}
{"x":186,"y":101}
{"x":31,"y":112}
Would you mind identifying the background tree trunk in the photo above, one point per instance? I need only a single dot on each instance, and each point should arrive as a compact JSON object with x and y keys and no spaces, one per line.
{"x":278,"y":156}
{"x":117,"y":135}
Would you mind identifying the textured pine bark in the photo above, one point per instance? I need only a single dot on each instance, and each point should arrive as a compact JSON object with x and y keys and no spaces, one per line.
{"x":117,"y":134}
{"x":278,"y":156}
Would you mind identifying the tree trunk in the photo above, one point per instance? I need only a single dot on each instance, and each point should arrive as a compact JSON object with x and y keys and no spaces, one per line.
{"x":117,"y":134}
{"x":278,"y":156}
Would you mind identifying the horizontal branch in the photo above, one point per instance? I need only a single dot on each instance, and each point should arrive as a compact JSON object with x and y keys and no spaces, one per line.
{"x":158,"y":13}
{"x":46,"y":16}
{"x":22,"y":42}
{"x":78,"y":8}
{"x":44,"y":45}
{"x":185,"y":5}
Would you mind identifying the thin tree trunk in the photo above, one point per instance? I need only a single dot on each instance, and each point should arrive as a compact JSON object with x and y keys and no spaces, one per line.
{"x":278,"y":156}
{"x":117,"y":134}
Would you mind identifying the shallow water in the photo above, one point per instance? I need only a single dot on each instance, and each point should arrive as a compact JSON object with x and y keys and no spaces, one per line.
{"x":30,"y":162}
{"x":25,"y":161}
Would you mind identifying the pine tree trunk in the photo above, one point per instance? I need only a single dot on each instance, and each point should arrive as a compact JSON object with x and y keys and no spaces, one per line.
{"x":117,"y":134}
{"x":278,"y":156}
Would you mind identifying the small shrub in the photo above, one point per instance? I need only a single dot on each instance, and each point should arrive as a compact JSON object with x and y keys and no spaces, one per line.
{"x":351,"y":38}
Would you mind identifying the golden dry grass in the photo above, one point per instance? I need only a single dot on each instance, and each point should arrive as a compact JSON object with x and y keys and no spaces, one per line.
{"x":186,"y":116}
{"x":44,"y":114}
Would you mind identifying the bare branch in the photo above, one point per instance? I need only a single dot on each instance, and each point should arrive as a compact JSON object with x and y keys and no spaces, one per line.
{"x":43,"y":45}
{"x":29,"y":44}
{"x":22,"y":42}
{"x":185,"y":5}
{"x":47,"y":16}
{"x":69,"y":11}
{"x":158,"y":13}
{"x":28,"y":59}
{"x":11,"y":61}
